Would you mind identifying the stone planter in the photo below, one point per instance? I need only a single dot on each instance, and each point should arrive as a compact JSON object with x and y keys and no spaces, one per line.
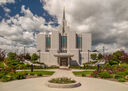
{"x":57,"y":85}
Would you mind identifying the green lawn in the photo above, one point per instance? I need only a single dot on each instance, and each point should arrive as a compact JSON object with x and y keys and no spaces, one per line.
{"x":41,"y":72}
{"x":80,"y":73}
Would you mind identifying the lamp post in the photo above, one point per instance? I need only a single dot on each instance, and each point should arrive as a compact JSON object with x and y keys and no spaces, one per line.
{"x":88,"y":55}
{"x":24,"y":50}
{"x":39,"y":54}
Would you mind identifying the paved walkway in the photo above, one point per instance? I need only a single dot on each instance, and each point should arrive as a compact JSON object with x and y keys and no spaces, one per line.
{"x":38,"y":84}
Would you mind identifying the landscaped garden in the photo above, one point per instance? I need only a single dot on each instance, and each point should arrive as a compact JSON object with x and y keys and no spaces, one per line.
{"x":11,"y":75}
{"x":10,"y":65}
{"x":115,"y":68}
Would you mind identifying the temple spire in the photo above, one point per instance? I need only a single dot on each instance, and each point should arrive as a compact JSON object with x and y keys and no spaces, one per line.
{"x":64,"y":13}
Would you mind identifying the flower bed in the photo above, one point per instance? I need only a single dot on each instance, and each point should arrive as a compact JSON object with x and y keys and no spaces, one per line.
{"x":114,"y":72}
{"x":63,"y":80}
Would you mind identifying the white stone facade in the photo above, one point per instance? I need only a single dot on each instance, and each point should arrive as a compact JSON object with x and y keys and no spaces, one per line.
{"x":70,"y":55}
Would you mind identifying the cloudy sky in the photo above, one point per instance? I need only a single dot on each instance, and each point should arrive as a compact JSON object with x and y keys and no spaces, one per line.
{"x":21,"y":20}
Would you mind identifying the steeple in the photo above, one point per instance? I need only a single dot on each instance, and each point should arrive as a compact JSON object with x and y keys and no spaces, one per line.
{"x":63,"y":28}
{"x":64,"y":13}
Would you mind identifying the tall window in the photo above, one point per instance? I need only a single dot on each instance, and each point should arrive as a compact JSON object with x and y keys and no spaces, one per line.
{"x":64,"y":43}
{"x":48,"y":42}
{"x":79,"y":42}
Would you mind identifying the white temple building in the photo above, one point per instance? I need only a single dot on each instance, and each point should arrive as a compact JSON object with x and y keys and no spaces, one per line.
{"x":64,"y":47}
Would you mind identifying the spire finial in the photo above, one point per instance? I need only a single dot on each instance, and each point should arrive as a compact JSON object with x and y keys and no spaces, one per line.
{"x":64,"y":13}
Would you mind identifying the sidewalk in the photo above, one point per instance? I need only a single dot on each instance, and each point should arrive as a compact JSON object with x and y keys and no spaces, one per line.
{"x":39,"y":84}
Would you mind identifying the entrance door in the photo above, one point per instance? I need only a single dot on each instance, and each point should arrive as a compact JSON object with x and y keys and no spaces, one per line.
{"x":63,"y":61}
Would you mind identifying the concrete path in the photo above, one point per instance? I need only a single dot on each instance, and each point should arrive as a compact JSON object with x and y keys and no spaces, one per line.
{"x":38,"y":84}
{"x":63,"y":73}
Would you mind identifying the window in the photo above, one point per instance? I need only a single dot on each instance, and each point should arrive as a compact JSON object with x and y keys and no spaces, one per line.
{"x":48,"y":42}
{"x":79,"y":42}
{"x":63,"y":43}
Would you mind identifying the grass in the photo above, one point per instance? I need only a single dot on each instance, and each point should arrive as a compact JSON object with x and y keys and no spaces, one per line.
{"x":80,"y":73}
{"x":41,"y":72}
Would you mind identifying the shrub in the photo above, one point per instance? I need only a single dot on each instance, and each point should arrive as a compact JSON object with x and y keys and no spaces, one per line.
{"x":39,"y":74}
{"x":83,"y":75}
{"x":27,"y":56}
{"x":126,"y":77}
{"x":126,"y":72}
{"x":119,"y":75}
{"x":105,"y":75}
{"x":112,"y":62}
{"x":34,"y":57}
{"x":75,"y":67}
{"x":12,"y":56}
{"x":93,"y":56}
{"x":32,"y":73}
{"x":52,"y":67}
{"x":121,"y":80}
{"x":124,"y":65}
{"x":95,"y":74}
{"x":6,"y":79}
{"x":100,"y":56}
{"x":20,"y":75}
{"x":1,"y":74}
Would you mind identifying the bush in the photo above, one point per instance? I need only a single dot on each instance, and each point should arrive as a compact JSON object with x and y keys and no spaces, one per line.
{"x":6,"y":79}
{"x":27,"y":56}
{"x":121,"y":80}
{"x":94,"y":56}
{"x":126,"y":72}
{"x":112,"y":62}
{"x":12,"y":56}
{"x":126,"y":77}
{"x":100,"y":56}
{"x":20,"y":75}
{"x":95,"y":74}
{"x":124,"y":65}
{"x":119,"y":75}
{"x":1,"y":74}
{"x":83,"y":75}
{"x":52,"y":67}
{"x":105,"y":75}
{"x":39,"y":74}
{"x":32,"y":73}
{"x":34,"y":57}
{"x":75,"y":67}
{"x":91,"y":67}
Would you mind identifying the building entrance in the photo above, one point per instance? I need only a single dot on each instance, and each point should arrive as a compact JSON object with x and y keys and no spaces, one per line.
{"x":63,"y":61}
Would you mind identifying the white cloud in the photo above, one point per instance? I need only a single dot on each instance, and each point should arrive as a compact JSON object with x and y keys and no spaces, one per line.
{"x":107,"y":20}
{"x":20,"y":29}
{"x":7,"y":9}
{"x":6,"y":1}
{"x":109,"y":48}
